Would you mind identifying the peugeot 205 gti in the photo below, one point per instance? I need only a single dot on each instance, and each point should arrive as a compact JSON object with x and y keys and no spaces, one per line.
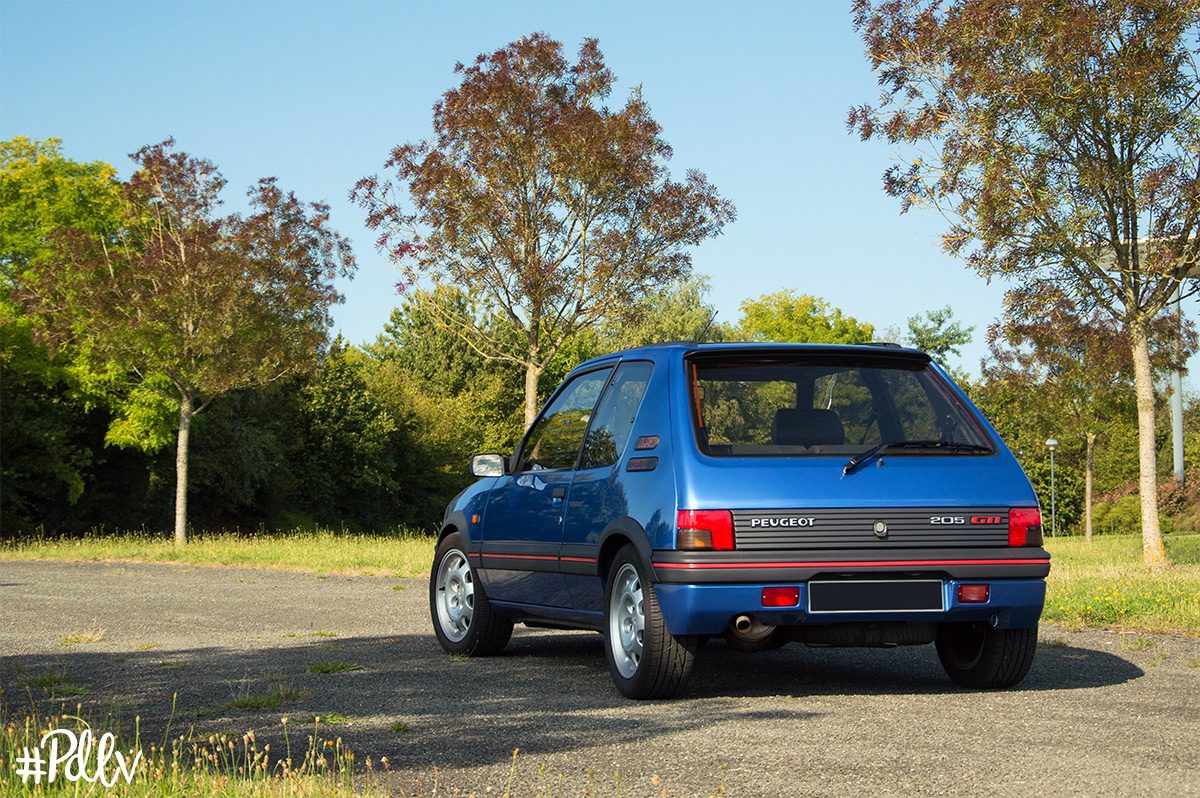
{"x":770,"y":493}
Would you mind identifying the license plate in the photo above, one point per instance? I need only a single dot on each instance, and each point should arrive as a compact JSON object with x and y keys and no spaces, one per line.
{"x":908,"y":595}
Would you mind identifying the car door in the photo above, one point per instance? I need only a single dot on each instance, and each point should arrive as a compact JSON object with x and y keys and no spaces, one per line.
{"x":523,"y":524}
{"x":597,"y":495}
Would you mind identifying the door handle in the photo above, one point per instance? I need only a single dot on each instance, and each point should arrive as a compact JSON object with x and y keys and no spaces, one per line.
{"x":556,"y":495}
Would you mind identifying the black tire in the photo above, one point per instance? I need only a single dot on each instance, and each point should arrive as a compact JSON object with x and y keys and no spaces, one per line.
{"x":665,"y":661}
{"x":978,"y":656}
{"x":484,"y":632}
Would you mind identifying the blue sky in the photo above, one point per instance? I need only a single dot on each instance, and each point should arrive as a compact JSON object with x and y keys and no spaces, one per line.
{"x":753,"y":94}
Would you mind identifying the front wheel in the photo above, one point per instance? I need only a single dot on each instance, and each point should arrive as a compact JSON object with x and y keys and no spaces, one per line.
{"x":976,"y":655}
{"x":646,"y":660}
{"x":463,"y":619}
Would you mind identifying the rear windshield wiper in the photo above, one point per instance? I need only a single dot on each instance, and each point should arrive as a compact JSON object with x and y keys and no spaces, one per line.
{"x":950,"y":446}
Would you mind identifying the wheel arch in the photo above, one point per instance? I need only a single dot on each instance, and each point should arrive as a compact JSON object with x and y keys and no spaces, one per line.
{"x":456,"y":522}
{"x":620,"y":532}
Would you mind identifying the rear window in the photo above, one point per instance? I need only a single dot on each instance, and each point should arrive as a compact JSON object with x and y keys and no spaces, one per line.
{"x":747,"y":405}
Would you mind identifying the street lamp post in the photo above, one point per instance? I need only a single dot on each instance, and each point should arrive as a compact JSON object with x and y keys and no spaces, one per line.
{"x":1052,"y":444}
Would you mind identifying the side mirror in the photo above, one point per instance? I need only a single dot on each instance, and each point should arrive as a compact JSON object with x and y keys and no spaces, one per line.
{"x":488,"y":465}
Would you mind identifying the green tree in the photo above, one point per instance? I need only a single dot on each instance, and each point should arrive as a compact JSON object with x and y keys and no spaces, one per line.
{"x":1060,"y":138}
{"x":679,"y":312}
{"x":354,"y":450}
{"x":44,"y":411}
{"x":555,"y":212}
{"x":938,"y":333}
{"x":184,"y":297}
{"x":1056,"y":372}
{"x":41,"y":190}
{"x":787,"y":316}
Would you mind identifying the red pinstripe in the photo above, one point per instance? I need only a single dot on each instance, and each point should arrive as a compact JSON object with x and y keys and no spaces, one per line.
{"x":849,"y":564}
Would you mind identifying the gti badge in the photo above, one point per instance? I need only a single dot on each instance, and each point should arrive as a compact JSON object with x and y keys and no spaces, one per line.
{"x":880,"y":530}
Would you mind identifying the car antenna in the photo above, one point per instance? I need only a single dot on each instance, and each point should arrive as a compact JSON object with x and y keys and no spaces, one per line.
{"x":700,"y":337}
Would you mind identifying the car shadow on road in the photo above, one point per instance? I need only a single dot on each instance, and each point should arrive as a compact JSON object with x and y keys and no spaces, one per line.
{"x":402,"y":697}
{"x":802,"y":670}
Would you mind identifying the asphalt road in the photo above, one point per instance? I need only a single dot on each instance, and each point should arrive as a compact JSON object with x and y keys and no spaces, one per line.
{"x":1100,"y":713}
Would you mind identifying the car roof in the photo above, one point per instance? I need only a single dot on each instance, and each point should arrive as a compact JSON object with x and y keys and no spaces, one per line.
{"x":877,"y":348}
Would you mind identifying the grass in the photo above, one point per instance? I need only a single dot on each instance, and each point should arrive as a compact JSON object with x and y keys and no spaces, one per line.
{"x":404,"y":554}
{"x":1104,"y":584}
{"x":274,"y":698}
{"x":400,"y":727}
{"x":51,"y":685}
{"x":318,"y":633}
{"x":310,"y":763}
{"x":327,"y":718}
{"x":333,"y":667}
{"x":85,"y":636}
{"x":211,"y":765}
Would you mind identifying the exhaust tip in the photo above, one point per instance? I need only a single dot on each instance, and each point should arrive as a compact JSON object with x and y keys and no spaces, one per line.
{"x":742,"y":623}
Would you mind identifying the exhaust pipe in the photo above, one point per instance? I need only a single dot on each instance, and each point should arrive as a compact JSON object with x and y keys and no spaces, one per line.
{"x":747,"y":634}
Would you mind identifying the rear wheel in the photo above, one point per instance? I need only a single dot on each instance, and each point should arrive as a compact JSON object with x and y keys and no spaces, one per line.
{"x":976,"y":655}
{"x":463,"y":619}
{"x":646,"y":660}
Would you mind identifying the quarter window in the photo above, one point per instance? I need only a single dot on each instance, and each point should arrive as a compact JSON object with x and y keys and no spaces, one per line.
{"x":615,"y":414}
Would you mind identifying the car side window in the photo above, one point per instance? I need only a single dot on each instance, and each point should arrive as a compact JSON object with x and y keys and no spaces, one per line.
{"x":554,"y":441}
{"x":615,"y":414}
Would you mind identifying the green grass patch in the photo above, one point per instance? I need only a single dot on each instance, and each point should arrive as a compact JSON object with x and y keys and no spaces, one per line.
{"x":318,"y":633}
{"x":324,"y":719}
{"x":82,"y":637}
{"x":400,"y":727}
{"x":51,"y":685}
{"x":274,"y":698}
{"x":333,"y":667}
{"x":404,"y":554}
{"x":1105,"y":584}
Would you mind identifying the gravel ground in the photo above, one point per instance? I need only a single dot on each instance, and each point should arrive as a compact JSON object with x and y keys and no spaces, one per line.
{"x":1099,"y":714}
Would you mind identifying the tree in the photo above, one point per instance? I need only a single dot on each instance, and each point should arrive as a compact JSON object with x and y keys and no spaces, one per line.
{"x":354,"y":450}
{"x":678,"y":312}
{"x":1060,"y":140}
{"x":938,"y":333}
{"x":547,"y":206}
{"x":42,"y":407}
{"x":190,"y":301}
{"x":1056,"y":372}
{"x":41,"y":190}
{"x":789,"y":316}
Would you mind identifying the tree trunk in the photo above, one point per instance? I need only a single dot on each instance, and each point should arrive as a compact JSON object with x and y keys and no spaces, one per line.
{"x":1153,"y":552}
{"x":181,"y":469}
{"x":1087,"y":486}
{"x":532,"y":373}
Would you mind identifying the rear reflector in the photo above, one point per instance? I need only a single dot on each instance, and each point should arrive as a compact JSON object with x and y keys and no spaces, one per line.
{"x":1024,"y":526}
{"x":780,"y":596}
{"x":973,"y":594}
{"x":704,"y":529}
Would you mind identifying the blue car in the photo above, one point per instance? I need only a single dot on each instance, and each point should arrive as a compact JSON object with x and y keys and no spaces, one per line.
{"x":762,"y":493}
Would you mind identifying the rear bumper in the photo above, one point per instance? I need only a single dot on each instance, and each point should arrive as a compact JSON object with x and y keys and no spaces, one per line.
{"x":700,"y":593}
{"x":729,"y":567}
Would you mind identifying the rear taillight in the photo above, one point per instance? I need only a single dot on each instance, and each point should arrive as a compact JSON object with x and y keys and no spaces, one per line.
{"x":1024,"y":526}
{"x":708,"y":530}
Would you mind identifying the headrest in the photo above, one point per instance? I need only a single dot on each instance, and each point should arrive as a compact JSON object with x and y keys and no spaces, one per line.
{"x":799,"y":427}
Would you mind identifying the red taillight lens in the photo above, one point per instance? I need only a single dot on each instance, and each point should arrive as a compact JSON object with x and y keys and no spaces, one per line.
{"x":704,"y":529}
{"x":973,"y":594}
{"x":780,"y":596}
{"x":1024,"y":526}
